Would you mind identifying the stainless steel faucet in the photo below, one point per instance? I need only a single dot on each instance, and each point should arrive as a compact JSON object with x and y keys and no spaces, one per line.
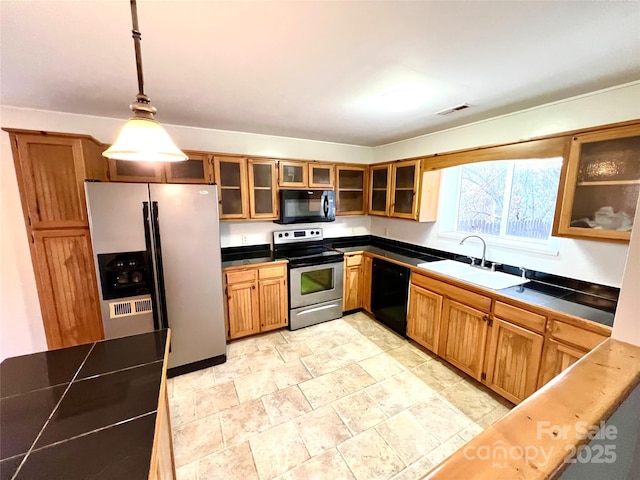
{"x":484,"y":247}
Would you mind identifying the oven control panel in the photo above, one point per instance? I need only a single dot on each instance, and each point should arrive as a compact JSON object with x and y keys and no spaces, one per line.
{"x":299,"y":235}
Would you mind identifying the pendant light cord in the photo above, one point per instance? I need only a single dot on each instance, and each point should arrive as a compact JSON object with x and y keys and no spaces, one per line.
{"x":137,"y":37}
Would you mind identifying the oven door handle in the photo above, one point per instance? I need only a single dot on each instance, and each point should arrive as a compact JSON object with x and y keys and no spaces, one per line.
{"x":318,"y":309}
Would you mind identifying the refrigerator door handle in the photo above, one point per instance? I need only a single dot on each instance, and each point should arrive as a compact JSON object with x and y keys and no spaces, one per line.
{"x":146,"y":219}
{"x":157,"y":252}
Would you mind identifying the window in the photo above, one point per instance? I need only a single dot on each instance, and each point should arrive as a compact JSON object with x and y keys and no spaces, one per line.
{"x":510,"y":199}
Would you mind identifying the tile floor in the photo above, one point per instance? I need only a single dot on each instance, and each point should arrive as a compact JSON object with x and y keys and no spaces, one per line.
{"x":346,"y":399}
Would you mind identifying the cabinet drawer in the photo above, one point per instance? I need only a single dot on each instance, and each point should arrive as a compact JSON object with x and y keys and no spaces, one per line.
{"x":575,"y":335}
{"x":353,"y":260}
{"x":458,"y":294}
{"x":241,"y":276}
{"x":521,"y":317}
{"x":276,"y":271}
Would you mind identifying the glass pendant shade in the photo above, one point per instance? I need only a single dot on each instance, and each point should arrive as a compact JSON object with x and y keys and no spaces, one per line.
{"x":144,"y":140}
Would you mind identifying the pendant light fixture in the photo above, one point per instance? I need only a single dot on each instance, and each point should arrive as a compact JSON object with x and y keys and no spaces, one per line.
{"x":142,"y":138}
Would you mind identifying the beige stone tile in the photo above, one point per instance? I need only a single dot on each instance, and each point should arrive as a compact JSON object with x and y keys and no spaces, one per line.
{"x":445,"y":450}
{"x":407,"y":356}
{"x":215,"y":399}
{"x":267,"y":359}
{"x":241,"y":347}
{"x":292,"y":373}
{"x":320,"y":364}
{"x":354,"y":352}
{"x":359,"y":412}
{"x":182,"y":409}
{"x":189,"y":382}
{"x":352,"y":378}
{"x":197,"y":439}
{"x":254,"y":385}
{"x":230,"y":370}
{"x":408,"y":437}
{"x":232,"y":463}
{"x":244,"y":421}
{"x":399,"y":392}
{"x":440,"y":418}
{"x":437,"y":374}
{"x":321,"y":391}
{"x":468,"y":433}
{"x":415,"y":471}
{"x":268,"y":341}
{"x":381,"y":366}
{"x":369,"y":457}
{"x":320,"y":344}
{"x":188,"y":471}
{"x":278,"y":450}
{"x":321,"y":430}
{"x":493,"y":416}
{"x":385,"y":343}
{"x":294,"y":351}
{"x":285,"y":405}
{"x":469,"y":399}
{"x":328,"y":465}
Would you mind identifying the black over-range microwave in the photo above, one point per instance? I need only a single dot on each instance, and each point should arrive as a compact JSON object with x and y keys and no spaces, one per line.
{"x":307,"y":206}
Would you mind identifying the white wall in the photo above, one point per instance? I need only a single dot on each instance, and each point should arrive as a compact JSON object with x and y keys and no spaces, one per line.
{"x":596,"y":262}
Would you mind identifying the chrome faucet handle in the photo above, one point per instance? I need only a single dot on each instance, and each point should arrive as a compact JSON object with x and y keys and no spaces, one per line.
{"x":524,"y":272}
{"x":473,"y":261}
{"x":494,"y":265}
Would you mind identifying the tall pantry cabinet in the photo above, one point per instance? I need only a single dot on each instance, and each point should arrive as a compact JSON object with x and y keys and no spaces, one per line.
{"x":51,"y":169}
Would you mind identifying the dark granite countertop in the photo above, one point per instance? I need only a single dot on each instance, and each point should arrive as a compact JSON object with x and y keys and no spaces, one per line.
{"x":535,"y":293}
{"x":243,"y":256}
{"x":87,"y":411}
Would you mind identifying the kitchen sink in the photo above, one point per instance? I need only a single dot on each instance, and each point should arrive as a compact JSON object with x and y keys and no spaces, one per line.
{"x":475,"y":275}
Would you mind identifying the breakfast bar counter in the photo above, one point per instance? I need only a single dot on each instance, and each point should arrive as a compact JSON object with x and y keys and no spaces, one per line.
{"x":96,"y":410}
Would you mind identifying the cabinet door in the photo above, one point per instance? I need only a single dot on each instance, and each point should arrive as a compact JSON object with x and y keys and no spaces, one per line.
{"x":273,"y":303}
{"x":352,"y":295}
{"x":464,"y":337}
{"x":601,"y":187}
{"x":423,"y":319}
{"x":67,"y":287}
{"x":262,"y":189}
{"x":556,"y":358}
{"x":242,"y":308}
{"x":321,"y":175}
{"x":140,"y":172}
{"x":366,"y":283}
{"x":513,"y":360}
{"x":231,"y":177}
{"x":51,"y":172}
{"x":293,"y":174}
{"x":197,"y":169}
{"x":405,"y":176}
{"x":379,"y":187}
{"x":351,"y":190}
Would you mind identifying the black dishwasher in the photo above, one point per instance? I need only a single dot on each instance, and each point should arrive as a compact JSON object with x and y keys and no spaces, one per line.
{"x":390,"y":294}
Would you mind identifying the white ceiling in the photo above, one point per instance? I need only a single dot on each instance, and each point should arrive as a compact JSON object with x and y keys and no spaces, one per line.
{"x":313,"y":69}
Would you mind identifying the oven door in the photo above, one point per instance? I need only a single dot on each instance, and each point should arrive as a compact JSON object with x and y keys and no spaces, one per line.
{"x":315,"y":284}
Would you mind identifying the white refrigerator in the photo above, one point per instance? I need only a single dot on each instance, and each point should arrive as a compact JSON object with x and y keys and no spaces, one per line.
{"x":157,"y":254}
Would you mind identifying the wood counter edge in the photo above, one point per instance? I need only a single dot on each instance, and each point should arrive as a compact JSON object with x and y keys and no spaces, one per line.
{"x":589,"y":391}
{"x":163,"y":410}
{"x":254,"y":265}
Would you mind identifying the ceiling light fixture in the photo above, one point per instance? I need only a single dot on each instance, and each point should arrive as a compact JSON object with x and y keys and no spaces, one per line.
{"x":142,"y":138}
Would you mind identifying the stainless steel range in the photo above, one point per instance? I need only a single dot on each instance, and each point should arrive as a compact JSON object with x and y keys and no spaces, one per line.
{"x":315,"y":276}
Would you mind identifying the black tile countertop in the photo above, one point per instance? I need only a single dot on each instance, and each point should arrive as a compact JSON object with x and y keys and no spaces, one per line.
{"x":82,"y":412}
{"x":242,"y":256}
{"x":562,"y":300}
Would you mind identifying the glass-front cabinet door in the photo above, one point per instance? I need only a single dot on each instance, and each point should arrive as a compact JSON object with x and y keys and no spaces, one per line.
{"x":404,"y":189}
{"x":262,"y":189}
{"x":379,"y":187}
{"x":602,"y":184}
{"x":351,"y":198}
{"x":231,"y":177}
{"x":321,"y":175}
{"x":292,"y":174}
{"x":128,"y":171}
{"x":197,"y":169}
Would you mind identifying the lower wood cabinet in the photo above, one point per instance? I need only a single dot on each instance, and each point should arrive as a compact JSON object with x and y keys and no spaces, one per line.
{"x":556,"y":358}
{"x":352,"y":285}
{"x":257,"y":299}
{"x":367,"y":263}
{"x":424,"y":317}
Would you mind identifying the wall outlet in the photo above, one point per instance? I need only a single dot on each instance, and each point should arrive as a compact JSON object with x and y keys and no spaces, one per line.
{"x":245,"y":239}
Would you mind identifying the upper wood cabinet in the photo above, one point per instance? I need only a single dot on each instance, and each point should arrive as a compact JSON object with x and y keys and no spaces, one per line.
{"x":197,"y":169}
{"x":231,"y":178}
{"x":263,"y":189}
{"x":405,"y":177}
{"x":293,"y":174}
{"x":379,"y":188}
{"x":51,"y":171}
{"x":321,"y":175}
{"x":351,"y":190}
{"x":599,"y":194}
{"x":137,"y":172}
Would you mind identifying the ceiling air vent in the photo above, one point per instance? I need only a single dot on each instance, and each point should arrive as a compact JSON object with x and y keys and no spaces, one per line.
{"x":457,"y":108}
